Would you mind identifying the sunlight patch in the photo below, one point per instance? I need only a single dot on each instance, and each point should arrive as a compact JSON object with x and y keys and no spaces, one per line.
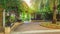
{"x":28,"y":2}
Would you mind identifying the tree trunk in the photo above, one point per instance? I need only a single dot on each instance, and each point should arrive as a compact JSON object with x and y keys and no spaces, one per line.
{"x":54,"y":12}
{"x":1,"y":19}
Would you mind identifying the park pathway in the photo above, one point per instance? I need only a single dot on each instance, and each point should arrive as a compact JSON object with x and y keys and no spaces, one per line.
{"x":30,"y":26}
{"x":34,"y":28}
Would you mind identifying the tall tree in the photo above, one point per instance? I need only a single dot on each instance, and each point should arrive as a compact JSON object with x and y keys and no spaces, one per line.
{"x":1,"y":14}
{"x":54,"y":11}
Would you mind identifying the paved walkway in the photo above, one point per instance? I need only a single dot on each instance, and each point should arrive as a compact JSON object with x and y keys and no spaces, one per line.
{"x":34,"y":28}
{"x":30,"y":26}
{"x":37,"y":33}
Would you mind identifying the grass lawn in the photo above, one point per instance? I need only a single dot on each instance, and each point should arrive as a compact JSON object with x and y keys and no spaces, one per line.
{"x":50,"y":25}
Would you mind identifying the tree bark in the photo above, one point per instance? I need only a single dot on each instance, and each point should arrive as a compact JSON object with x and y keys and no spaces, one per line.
{"x":1,"y":19}
{"x":54,"y":12}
